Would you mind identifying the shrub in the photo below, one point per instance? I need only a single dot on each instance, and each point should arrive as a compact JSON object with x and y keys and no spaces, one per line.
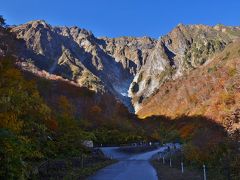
{"x":140,"y":77}
{"x":212,"y":69}
{"x":135,"y":87}
{"x":226,"y":56}
{"x":232,"y":72}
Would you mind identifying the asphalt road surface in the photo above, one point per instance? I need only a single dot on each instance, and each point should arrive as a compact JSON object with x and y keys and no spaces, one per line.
{"x":129,"y":167}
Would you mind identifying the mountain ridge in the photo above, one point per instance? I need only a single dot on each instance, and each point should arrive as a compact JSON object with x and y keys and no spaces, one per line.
{"x":131,"y":68}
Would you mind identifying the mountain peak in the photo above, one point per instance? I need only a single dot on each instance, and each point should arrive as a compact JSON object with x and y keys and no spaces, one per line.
{"x":38,"y":22}
{"x":180,"y":25}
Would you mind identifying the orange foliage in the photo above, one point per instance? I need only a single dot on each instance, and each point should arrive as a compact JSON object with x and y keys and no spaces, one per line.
{"x":186,"y":130}
{"x":201,"y":92}
{"x":10,"y":121}
{"x":95,"y":109}
{"x":65,"y":106}
{"x":52,"y":124}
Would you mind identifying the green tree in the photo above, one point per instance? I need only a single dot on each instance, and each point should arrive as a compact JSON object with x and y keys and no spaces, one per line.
{"x":23,"y":115}
{"x":2,"y":21}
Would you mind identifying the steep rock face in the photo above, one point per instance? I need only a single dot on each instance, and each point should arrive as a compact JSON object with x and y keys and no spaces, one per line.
{"x":212,"y":91}
{"x":76,"y":54}
{"x":55,"y":51}
{"x":132,"y":69}
{"x":131,"y":52}
{"x":179,"y":52}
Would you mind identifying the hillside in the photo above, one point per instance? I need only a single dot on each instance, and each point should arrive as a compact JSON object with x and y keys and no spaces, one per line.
{"x":91,"y":108}
{"x":211,"y":91}
{"x":184,"y":49}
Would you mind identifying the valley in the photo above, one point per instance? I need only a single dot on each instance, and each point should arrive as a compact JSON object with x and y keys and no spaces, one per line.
{"x":62,"y":86}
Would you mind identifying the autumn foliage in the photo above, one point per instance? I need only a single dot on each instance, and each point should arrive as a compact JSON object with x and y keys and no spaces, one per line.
{"x":39,"y":122}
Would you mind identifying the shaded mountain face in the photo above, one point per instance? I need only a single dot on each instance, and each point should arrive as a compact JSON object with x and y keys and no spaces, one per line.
{"x":132,"y":69}
{"x":63,"y":98}
{"x":100,"y":64}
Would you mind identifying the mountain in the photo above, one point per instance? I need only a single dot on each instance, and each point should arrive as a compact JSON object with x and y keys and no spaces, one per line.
{"x":184,"y":49}
{"x":100,"y":64}
{"x":62,"y":85}
{"x":132,"y":69}
{"x":175,"y":75}
{"x":93,"y":108}
{"x":212,"y":90}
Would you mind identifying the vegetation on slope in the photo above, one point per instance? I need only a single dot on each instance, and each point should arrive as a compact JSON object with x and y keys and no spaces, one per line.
{"x":32,"y":130}
{"x":29,"y":130}
{"x":204,"y":142}
{"x":211,"y":91}
{"x":40,"y":119}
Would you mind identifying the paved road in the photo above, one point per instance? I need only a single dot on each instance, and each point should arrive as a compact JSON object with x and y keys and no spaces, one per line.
{"x":136,"y":167}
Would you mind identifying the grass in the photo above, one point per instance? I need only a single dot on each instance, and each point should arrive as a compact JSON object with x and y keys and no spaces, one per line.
{"x":226,"y":56}
{"x":212,"y":69}
{"x":83,"y":173}
{"x":232,"y":71}
{"x":165,"y":172}
{"x":64,"y":169}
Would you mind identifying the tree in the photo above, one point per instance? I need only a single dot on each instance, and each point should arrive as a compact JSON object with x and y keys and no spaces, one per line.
{"x":2,"y":21}
{"x":65,"y":107}
{"x":23,"y":114}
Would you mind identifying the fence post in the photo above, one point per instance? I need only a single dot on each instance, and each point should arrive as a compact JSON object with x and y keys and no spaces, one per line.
{"x":82,"y":160}
{"x":204,"y":172}
{"x":163,"y":160}
{"x":182,"y":167}
{"x":170,"y":162}
{"x":47,"y":167}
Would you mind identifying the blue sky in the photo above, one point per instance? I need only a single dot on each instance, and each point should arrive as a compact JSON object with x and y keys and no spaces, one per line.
{"x":115,"y":18}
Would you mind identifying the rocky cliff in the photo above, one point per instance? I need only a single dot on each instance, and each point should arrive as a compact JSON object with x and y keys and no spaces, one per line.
{"x":100,"y":64}
{"x":182,"y":50}
{"x":212,"y":91}
{"x":132,"y":69}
